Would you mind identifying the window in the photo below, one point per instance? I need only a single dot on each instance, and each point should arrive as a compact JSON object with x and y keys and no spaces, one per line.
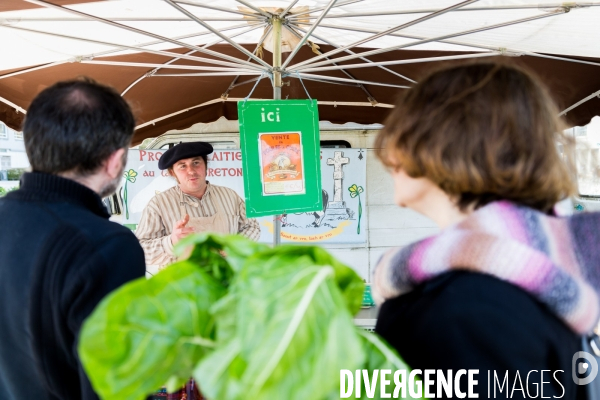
{"x":335,"y":144}
{"x":217,"y":145}
{"x":3,"y":131}
{"x":224,"y":145}
{"x":18,"y":135}
{"x":587,"y":157}
{"x":5,"y":162}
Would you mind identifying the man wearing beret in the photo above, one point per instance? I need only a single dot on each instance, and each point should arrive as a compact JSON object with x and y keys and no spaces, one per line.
{"x":194,"y":205}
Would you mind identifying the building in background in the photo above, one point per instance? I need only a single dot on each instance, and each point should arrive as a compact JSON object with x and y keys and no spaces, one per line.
{"x":587,"y":139}
{"x":12,"y":151}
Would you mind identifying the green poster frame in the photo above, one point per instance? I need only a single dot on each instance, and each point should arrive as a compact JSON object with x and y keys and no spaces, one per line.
{"x":258,"y":117}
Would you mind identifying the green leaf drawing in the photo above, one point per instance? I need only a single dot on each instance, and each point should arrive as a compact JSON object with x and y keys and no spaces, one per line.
{"x":356,"y":190}
{"x":129,"y":176}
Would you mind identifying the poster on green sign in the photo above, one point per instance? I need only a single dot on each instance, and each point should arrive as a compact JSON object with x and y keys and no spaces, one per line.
{"x":280,"y":156}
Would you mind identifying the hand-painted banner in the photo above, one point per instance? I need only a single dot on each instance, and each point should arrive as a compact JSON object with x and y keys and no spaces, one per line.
{"x":343,"y":174}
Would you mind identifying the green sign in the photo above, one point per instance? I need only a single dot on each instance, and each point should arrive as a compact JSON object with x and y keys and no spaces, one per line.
{"x":280,"y":156}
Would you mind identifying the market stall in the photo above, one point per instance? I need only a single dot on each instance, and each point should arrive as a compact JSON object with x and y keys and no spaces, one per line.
{"x":183,"y":62}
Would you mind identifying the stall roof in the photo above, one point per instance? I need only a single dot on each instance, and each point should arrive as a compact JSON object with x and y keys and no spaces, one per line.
{"x":138,"y":47}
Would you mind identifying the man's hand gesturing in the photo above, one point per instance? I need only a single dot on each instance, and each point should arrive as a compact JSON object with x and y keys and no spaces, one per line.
{"x":180,"y":230}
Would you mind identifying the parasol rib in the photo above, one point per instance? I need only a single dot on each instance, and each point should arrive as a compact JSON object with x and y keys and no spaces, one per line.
{"x":102,"y":53}
{"x":350,"y":103}
{"x":418,"y":42}
{"x":466,"y":44}
{"x":126,"y":47}
{"x":216,"y":32}
{"x":260,"y":42}
{"x":191,"y":3}
{"x":370,"y":97}
{"x":23,"y":71}
{"x":236,"y":99}
{"x":176,"y":66}
{"x":13,"y":105}
{"x":142,"y":32}
{"x":305,"y":38}
{"x":253,"y":79}
{"x":177,"y":113}
{"x":222,"y":73}
{"x":138,"y":80}
{"x":234,"y":85}
{"x":573,"y":60}
{"x":386,"y":32}
{"x":258,"y":10}
{"x":429,"y":10}
{"x":334,"y":78}
{"x":334,"y":83}
{"x":288,"y":8}
{"x":126,"y":19}
{"x":591,"y":96}
{"x":404,"y":35}
{"x":351,"y":52}
{"x":189,"y":35}
{"x":343,"y":3}
{"x":409,"y":61}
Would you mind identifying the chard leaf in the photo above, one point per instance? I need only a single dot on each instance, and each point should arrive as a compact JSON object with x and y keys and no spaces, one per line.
{"x":293,"y":328}
{"x":380,"y":356}
{"x":207,"y":246}
{"x":348,"y":282}
{"x":206,"y":256}
{"x":225,"y":311}
{"x":150,"y":332}
{"x":221,"y":372}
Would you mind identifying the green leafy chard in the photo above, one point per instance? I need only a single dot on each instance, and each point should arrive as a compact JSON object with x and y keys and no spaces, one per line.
{"x":261,"y":323}
{"x":150,"y":332}
{"x":380,"y":356}
{"x":293,"y":332}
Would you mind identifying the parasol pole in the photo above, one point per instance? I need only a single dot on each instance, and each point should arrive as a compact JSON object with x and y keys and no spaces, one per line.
{"x":276,"y":22}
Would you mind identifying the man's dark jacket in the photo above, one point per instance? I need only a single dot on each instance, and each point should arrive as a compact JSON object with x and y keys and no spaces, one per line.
{"x":59,"y":256}
{"x":464,"y":320}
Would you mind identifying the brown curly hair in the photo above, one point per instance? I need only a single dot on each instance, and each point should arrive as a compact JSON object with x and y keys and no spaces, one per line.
{"x":482,"y":132}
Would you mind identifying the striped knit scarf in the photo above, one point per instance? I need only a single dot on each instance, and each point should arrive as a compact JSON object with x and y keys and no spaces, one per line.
{"x":555,"y":259}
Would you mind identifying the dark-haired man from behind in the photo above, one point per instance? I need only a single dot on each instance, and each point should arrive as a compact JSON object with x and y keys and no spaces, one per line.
{"x":59,"y":253}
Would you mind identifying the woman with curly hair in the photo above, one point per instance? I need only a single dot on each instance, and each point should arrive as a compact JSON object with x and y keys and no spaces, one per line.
{"x":507,"y":287}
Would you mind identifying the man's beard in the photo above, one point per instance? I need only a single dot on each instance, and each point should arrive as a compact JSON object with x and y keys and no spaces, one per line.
{"x":110,"y":187}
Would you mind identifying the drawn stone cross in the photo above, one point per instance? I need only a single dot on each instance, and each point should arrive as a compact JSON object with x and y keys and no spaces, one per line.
{"x":338,"y":161}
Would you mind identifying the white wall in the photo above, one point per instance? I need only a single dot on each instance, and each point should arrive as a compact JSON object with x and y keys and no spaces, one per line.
{"x":388,"y":225}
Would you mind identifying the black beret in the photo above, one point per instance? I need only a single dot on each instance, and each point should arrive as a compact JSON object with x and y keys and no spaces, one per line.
{"x":183,"y":150}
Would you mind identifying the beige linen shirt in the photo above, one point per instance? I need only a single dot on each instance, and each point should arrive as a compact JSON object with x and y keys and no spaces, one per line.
{"x":156,"y":224}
